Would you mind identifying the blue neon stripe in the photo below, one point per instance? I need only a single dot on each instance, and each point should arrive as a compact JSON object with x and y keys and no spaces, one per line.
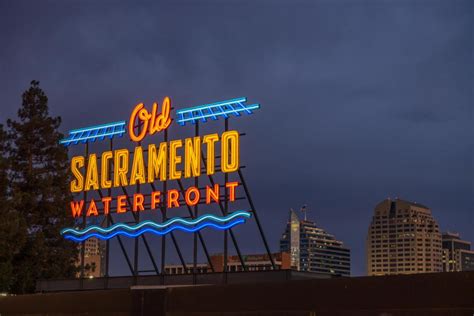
{"x":92,"y":133}
{"x":69,"y":140}
{"x":156,"y":232}
{"x":234,"y":111}
{"x":157,"y":225}
{"x":107,"y":125}
{"x":205,"y":106}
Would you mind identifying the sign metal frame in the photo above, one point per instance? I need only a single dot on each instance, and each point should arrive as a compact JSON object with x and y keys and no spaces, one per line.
{"x":193,"y":211}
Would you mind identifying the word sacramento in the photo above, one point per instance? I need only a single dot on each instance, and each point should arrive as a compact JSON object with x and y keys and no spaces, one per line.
{"x":87,"y":176}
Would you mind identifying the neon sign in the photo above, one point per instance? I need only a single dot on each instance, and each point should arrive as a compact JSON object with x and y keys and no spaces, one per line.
{"x":162,"y":162}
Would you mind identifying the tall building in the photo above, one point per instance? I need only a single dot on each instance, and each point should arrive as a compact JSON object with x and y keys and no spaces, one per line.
{"x":403,"y":238}
{"x":93,"y":258}
{"x":457,"y":253}
{"x":312,"y":249}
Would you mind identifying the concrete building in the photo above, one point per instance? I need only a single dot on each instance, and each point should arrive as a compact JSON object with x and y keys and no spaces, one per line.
{"x":252,"y":294}
{"x":457,"y":253}
{"x":403,"y":238}
{"x":312,"y":249}
{"x":254,"y":262}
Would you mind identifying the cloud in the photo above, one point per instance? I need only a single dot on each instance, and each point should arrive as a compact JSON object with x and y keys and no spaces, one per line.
{"x":359,"y":100}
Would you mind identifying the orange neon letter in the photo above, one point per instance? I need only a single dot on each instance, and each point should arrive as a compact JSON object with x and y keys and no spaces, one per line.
{"x":92,"y":210}
{"x":212,"y":193}
{"x":155,"y":199}
{"x":210,"y":141}
{"x":105,"y":182}
{"x":173,"y":196}
{"x":121,"y":204}
{"x":106,"y":201}
{"x":231,"y":186}
{"x":138,"y":199}
{"x":230,"y":151}
{"x":197,"y":196}
{"x":78,"y":183}
{"x":175,"y":159}
{"x":120,"y":167}
{"x":76,"y":208}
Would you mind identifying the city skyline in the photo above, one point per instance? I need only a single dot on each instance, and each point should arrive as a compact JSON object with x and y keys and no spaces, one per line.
{"x":350,"y":116}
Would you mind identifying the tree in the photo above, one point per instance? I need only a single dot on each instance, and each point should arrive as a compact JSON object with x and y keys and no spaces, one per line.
{"x":39,"y":193}
{"x":11,"y":225}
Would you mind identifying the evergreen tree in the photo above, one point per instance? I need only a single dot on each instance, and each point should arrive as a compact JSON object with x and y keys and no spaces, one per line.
{"x":40,"y":193}
{"x":11,"y":226}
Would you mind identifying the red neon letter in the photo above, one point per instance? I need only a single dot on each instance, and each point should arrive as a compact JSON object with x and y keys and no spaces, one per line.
{"x":231,"y":186}
{"x":143,"y":116}
{"x":76,"y":208}
{"x":106,"y":200}
{"x":138,"y":202}
{"x":121,"y":204}
{"x":155,"y":199}
{"x":212,"y":194}
{"x":162,"y":121}
{"x":92,"y":210}
{"x":173,"y":196}
{"x":152,"y":123}
{"x":197,"y":196}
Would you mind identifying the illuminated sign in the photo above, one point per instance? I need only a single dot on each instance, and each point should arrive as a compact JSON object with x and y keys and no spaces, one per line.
{"x":156,"y":163}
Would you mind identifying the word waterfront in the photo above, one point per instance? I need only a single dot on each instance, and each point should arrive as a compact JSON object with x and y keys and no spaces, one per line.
{"x":192,"y":196}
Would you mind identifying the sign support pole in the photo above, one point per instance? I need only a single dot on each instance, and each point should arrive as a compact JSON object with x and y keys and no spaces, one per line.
{"x":83,"y":244}
{"x":195,"y":245}
{"x":163,"y":213}
{"x":226,"y":208}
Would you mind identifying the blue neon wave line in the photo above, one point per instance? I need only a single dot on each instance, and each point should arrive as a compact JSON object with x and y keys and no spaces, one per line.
{"x":156,"y":232}
{"x":156,"y":225}
{"x":205,"y":106}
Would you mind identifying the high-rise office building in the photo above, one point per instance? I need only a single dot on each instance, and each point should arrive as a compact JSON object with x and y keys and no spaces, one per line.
{"x":93,"y":258}
{"x":312,"y":249}
{"x":403,"y":238}
{"x":457,"y":253}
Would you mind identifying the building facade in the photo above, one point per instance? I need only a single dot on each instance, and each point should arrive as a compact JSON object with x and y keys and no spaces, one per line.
{"x":312,"y":249}
{"x":403,"y":238}
{"x":93,"y":258}
{"x":457,"y":253}
{"x":254,"y":262}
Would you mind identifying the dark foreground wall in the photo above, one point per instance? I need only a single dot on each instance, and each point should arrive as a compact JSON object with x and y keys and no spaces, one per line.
{"x":424,"y":294}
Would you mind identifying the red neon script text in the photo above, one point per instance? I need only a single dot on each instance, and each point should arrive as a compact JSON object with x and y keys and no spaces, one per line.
{"x":152,"y":123}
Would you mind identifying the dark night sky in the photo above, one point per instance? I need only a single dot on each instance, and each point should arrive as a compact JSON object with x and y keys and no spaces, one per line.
{"x":361,"y":100}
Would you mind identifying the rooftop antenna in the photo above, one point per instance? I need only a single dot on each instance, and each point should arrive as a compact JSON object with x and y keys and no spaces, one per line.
{"x":304,"y":210}
{"x":289,"y":218}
